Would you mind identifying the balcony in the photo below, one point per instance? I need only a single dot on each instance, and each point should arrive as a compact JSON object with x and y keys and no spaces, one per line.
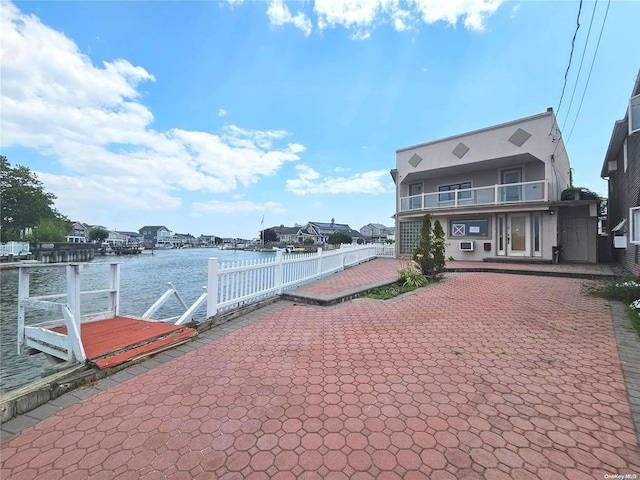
{"x":505,"y":194}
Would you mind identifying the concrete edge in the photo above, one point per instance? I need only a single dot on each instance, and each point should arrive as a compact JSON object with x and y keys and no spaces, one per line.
{"x":628,"y":343}
{"x":542,"y":273}
{"x":329,"y":300}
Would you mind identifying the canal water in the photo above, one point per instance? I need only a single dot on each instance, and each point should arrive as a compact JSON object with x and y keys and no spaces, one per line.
{"x":143,"y":279}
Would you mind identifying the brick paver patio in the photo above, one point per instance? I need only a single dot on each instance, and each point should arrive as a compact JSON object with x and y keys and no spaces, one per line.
{"x":481,"y":376}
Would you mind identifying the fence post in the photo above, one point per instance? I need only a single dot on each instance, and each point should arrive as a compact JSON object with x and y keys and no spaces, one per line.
{"x":319,"y":262}
{"x":73,"y":303}
{"x":114,"y":286}
{"x":212,"y":287}
{"x":279,"y":272}
{"x":342,"y":256}
{"x":23,"y":293}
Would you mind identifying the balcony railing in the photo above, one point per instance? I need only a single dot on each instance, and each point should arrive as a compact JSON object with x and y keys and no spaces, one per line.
{"x":479,"y":196}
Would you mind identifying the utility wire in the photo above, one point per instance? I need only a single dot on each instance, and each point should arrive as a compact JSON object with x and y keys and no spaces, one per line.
{"x":573,"y":43}
{"x":593,"y":61}
{"x":584,"y":51}
{"x":566,"y":73}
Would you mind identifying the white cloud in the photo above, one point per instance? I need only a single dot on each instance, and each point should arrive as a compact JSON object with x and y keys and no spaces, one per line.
{"x":245,"y":206}
{"x":92,"y":121}
{"x":279,"y":15}
{"x":222,"y":112}
{"x":514,"y":11}
{"x":363,"y":16}
{"x":309,"y":181}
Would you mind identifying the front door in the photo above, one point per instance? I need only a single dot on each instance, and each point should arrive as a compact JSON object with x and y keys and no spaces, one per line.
{"x":511,"y":194}
{"x":517,"y":237}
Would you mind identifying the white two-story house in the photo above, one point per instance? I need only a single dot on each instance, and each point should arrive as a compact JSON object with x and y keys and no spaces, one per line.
{"x":496,"y":192}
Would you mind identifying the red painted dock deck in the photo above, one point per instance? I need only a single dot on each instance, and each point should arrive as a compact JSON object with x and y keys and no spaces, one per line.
{"x":113,"y":341}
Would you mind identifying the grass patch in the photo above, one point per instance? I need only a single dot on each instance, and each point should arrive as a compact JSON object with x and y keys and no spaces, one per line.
{"x":389,"y":291}
{"x":627,"y":292}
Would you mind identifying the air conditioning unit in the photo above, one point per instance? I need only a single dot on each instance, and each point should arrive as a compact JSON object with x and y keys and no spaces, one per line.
{"x":466,"y":246}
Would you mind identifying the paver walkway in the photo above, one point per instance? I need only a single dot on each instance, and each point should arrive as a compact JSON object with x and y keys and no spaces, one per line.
{"x":481,"y":376}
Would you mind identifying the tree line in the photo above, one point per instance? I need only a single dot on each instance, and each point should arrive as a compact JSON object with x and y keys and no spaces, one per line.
{"x":27,"y":211}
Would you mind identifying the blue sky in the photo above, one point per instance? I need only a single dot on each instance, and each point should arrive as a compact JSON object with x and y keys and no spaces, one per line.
{"x":209,"y":116}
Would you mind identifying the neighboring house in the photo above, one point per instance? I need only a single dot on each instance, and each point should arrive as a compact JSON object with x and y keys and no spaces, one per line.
{"x":115,"y":239}
{"x":184,"y":240}
{"x":131,"y":238}
{"x":155,"y":235}
{"x":207,"y":240}
{"x":376,"y":232}
{"x":496,"y":192}
{"x":320,"y":232}
{"x":79,"y":233}
{"x":622,"y":169}
{"x":285,"y":235}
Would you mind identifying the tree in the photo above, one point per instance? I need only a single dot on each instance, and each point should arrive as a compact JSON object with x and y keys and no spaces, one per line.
{"x":217,"y":240}
{"x":50,"y":230}
{"x":339,"y":237}
{"x":269,"y":235}
{"x":98,"y":234}
{"x":439,"y":260}
{"x":431,"y":249}
{"x":24,"y":203}
{"x":308,"y":241}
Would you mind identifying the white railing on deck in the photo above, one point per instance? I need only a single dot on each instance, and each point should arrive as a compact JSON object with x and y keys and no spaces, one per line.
{"x":40,"y":336}
{"x":232,"y":284}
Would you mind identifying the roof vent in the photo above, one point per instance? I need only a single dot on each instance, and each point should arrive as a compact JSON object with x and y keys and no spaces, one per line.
{"x":415,"y":160}
{"x":519,"y":137}
{"x":460,"y":150}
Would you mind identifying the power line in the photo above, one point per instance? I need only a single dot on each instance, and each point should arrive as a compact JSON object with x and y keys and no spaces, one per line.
{"x":593,"y":61}
{"x":573,"y":42}
{"x":584,"y":51}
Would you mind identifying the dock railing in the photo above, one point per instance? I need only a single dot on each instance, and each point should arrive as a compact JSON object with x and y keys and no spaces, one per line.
{"x":64,"y":346}
{"x":233,"y":284}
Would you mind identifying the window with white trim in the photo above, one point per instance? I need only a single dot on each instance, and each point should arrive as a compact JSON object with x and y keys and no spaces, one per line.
{"x":634,"y":114}
{"x":634,"y":225}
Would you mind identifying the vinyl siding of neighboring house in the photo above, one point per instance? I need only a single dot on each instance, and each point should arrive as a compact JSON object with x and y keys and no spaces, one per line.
{"x":622,"y":168}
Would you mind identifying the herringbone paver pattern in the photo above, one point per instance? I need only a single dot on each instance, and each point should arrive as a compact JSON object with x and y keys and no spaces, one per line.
{"x":482,"y":376}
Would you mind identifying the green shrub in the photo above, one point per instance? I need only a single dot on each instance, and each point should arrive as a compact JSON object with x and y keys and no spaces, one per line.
{"x":624,"y":291}
{"x":411,"y":276}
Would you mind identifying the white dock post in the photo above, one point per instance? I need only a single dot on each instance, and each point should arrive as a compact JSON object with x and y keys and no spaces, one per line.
{"x":73,"y":303}
{"x":212,"y":287}
{"x":23,"y":294}
{"x":114,"y":285}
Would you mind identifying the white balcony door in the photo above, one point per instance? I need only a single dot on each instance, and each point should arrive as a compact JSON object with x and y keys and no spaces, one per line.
{"x":518,"y":241}
{"x":511,"y":194}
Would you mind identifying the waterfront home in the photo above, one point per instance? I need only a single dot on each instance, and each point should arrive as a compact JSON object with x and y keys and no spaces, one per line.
{"x":621,"y":168}
{"x":156,"y":236}
{"x":320,"y":232}
{"x":79,"y":233}
{"x":376,"y":232}
{"x":131,"y":238}
{"x":497,"y":193}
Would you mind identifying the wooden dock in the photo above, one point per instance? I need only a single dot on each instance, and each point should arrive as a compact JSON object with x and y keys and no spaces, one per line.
{"x":114,"y":341}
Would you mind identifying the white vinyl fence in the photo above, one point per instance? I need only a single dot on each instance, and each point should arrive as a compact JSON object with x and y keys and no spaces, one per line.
{"x":232,"y":284}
